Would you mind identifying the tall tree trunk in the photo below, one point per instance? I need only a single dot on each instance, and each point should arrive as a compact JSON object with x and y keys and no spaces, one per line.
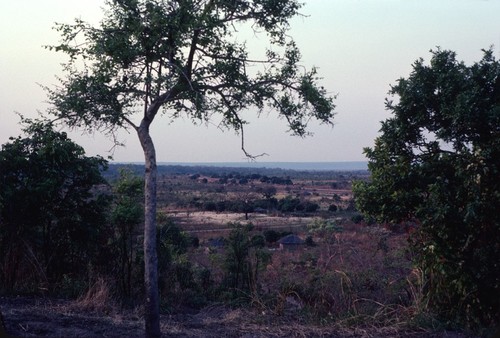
{"x":152,"y":304}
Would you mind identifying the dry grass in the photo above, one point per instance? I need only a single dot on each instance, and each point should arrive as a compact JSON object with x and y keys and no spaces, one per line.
{"x":359,"y":277}
{"x":210,"y":224}
{"x":28,"y":317}
{"x":97,"y":299}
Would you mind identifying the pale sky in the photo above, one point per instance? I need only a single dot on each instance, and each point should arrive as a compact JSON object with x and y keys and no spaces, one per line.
{"x":359,"y":46}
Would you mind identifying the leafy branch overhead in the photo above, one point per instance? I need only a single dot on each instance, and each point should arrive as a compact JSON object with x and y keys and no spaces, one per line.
{"x":185,"y":57}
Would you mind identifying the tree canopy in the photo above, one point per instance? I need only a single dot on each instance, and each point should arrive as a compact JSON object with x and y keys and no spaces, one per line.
{"x":185,"y":57}
{"x":436,"y":165}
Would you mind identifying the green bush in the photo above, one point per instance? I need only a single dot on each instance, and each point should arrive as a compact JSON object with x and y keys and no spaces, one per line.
{"x":437,"y":165}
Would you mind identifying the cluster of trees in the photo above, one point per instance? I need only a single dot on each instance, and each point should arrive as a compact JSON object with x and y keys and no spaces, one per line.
{"x":260,"y":198}
{"x":52,"y":209}
{"x":287,"y":204}
{"x":166,"y":170}
{"x":237,"y":178}
{"x":63,"y":226}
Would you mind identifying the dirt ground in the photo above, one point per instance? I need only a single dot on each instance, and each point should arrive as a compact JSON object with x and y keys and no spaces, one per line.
{"x":208,"y":224}
{"x":39,"y":317}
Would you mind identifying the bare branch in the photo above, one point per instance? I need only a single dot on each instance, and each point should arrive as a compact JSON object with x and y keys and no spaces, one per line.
{"x":245,"y":60}
{"x":247,"y":154}
{"x":239,"y":126}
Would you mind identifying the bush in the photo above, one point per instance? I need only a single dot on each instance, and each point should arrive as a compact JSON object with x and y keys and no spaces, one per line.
{"x":52,"y":209}
{"x":244,"y":258}
{"x":310,"y":241}
{"x":437,"y":164}
{"x":332,"y":208}
{"x":271,"y":236}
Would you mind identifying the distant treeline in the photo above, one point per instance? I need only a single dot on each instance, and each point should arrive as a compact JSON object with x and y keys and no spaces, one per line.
{"x":210,"y":171}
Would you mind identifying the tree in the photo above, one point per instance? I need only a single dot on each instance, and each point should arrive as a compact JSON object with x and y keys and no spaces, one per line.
{"x":271,"y":236}
{"x":436,"y":165}
{"x":289,"y":204}
{"x":244,"y":258}
{"x":51,"y":213}
{"x":182,"y":57}
{"x":332,"y":208}
{"x":126,"y":215}
{"x":172,"y":246}
{"x":268,"y":191}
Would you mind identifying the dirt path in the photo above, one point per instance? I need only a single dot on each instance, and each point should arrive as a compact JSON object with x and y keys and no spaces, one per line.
{"x":37,"y":317}
{"x":28,"y":317}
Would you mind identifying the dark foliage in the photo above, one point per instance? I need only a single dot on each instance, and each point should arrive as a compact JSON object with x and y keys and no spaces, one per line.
{"x":52,"y":209}
{"x":437,"y":165}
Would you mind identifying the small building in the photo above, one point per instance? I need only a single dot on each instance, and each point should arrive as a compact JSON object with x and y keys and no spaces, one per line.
{"x":291,"y":242}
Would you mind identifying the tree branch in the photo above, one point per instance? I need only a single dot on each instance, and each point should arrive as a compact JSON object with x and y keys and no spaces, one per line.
{"x":247,"y":154}
{"x":239,"y":127}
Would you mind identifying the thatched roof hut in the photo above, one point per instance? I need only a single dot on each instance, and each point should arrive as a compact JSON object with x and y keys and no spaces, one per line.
{"x":291,"y":242}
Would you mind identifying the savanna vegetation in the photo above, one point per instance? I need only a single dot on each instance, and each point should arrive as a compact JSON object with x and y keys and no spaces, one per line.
{"x":409,"y":248}
{"x":219,"y":255}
